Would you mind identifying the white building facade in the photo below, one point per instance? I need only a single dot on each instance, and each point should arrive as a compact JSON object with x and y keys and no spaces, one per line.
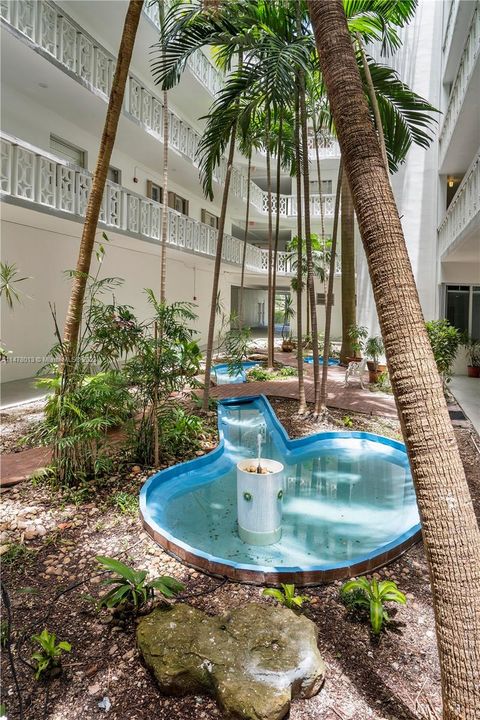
{"x":57,"y":67}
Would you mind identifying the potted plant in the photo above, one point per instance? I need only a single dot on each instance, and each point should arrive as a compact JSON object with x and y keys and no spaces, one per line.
{"x":472,"y":350}
{"x":357,"y":334}
{"x":374,"y":349}
{"x":288,"y":313}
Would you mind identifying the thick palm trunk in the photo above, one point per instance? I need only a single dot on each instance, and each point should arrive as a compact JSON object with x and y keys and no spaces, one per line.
{"x":216,"y":270}
{"x":245,"y":243}
{"x":277,"y":219}
{"x":349,"y":304}
{"x":302,"y":405}
{"x":270,"y":302}
{"x":75,"y":305}
{"x":329,"y":297}
{"x":163,"y":261}
{"x":450,"y":531}
{"x":308,"y":242}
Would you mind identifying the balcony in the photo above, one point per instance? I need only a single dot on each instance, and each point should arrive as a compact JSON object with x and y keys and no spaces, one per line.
{"x":463,"y":212}
{"x":460,"y":86}
{"x":37,"y":179}
{"x":46,"y":28}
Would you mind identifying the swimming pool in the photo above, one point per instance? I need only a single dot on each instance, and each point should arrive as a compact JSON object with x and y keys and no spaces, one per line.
{"x":349,"y":503}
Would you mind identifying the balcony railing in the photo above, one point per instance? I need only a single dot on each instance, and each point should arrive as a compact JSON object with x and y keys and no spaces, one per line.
{"x":462,"y":79}
{"x":463,"y":208}
{"x":50,"y":184}
{"x":198,"y":63}
{"x":452,"y":14}
{"x":63,"y":41}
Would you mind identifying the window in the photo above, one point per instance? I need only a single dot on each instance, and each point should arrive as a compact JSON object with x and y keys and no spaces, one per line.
{"x":178,"y":203}
{"x":321,"y":299}
{"x":326,"y":187}
{"x":154,"y":191}
{"x":462,"y":308}
{"x":209,"y":219}
{"x":68,"y":152}
{"x":114,"y":175}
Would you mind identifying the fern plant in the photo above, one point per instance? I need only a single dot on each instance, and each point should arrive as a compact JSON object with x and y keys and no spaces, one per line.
{"x":48,"y":658}
{"x":372,"y":595}
{"x":130,"y":587}
{"x":286,"y":596}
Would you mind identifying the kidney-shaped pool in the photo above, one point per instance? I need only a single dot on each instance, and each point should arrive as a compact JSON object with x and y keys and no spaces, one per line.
{"x":349,"y":504}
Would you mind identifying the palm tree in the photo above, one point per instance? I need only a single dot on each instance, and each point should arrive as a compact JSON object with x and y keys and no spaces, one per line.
{"x":349,"y":305}
{"x":166,"y":130}
{"x":77,"y":295}
{"x":450,"y":531}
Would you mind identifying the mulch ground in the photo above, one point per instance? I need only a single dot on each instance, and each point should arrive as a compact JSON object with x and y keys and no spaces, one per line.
{"x":53,"y":582}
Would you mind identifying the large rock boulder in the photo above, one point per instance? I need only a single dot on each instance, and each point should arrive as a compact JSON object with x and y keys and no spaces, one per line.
{"x":254,"y":659}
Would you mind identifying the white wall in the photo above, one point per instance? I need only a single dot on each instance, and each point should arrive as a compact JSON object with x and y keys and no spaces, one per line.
{"x":415,"y":184}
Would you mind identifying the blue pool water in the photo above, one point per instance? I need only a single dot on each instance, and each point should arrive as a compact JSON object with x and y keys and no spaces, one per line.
{"x":331,"y":361}
{"x":348,"y":496}
{"x":223,"y":376}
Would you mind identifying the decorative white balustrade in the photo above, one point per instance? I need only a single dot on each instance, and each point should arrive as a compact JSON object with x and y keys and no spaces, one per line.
{"x":31,"y":175}
{"x":46,"y":25}
{"x":198,"y":63}
{"x":463,"y":208}
{"x":462,"y":79}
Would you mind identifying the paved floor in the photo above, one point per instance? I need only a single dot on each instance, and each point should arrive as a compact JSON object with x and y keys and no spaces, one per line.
{"x":351,"y":398}
{"x":466,"y":391}
{"x":17,"y":392}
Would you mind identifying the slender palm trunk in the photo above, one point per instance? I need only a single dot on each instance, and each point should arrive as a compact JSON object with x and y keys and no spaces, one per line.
{"x":163,"y":272}
{"x":329,"y":297}
{"x":216,"y":270}
{"x":450,"y":531}
{"x":277,"y":217}
{"x":245,"y":243}
{"x":270,"y":302}
{"x":308,"y":243}
{"x":320,"y":198}
{"x":349,"y":304}
{"x":302,"y":405}
{"x":75,"y":305}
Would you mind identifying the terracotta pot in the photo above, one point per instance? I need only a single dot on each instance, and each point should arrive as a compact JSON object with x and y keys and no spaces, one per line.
{"x":371,"y":366}
{"x":381,"y":368}
{"x":354,"y":359}
{"x":473,"y":371}
{"x":287,"y":346}
{"x":373,"y":376}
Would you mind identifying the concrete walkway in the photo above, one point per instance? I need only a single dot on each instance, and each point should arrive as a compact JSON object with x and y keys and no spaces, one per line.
{"x":466,"y":391}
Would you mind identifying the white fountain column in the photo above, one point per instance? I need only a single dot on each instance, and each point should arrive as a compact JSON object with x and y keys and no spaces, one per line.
{"x":259,"y":502}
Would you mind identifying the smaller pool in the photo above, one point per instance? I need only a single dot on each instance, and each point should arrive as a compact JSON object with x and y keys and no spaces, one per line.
{"x":223,"y":376}
{"x":331,"y":361}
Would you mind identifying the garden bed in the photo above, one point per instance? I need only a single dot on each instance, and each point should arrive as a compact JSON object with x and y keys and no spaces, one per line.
{"x":395,"y":677}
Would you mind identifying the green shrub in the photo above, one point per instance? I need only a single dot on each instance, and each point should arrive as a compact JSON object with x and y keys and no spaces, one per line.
{"x":362,"y":594}
{"x":258,"y":373}
{"x":126,"y":502}
{"x":130,"y":587}
{"x":286,"y":596}
{"x":445,"y":340}
{"x":179,"y":431}
{"x":287,"y":371}
{"x":49,"y":656}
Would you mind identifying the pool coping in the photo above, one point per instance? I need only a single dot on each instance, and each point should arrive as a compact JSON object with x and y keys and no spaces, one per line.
{"x":264,"y":575}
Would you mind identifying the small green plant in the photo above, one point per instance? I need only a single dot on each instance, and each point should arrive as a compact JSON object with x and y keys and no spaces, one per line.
{"x":8,"y":281}
{"x":126,"y":502}
{"x":259,"y":373}
{"x":287,"y":371}
{"x":445,"y":340}
{"x":374,"y":349}
{"x":286,"y":596}
{"x":179,"y":431}
{"x":362,"y":594}
{"x":383,"y":382}
{"x":130,"y":587}
{"x":17,"y":553}
{"x":347,"y":421}
{"x":4,"y":633}
{"x":49,"y":657}
{"x":357,"y":334}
